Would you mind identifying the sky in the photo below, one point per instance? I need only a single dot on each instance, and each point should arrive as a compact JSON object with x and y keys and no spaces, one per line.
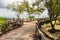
{"x":4,"y":12}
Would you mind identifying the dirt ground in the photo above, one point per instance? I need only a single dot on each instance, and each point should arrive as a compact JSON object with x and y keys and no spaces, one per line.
{"x":22,"y":33}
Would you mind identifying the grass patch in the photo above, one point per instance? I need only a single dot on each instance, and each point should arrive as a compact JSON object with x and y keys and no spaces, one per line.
{"x":57,"y":27}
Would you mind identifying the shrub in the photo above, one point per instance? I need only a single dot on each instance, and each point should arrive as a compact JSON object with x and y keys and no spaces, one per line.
{"x":3,"y":28}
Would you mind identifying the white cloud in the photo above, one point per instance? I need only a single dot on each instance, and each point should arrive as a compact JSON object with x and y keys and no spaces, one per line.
{"x":6,"y":2}
{"x":6,"y":13}
{"x":9,"y":14}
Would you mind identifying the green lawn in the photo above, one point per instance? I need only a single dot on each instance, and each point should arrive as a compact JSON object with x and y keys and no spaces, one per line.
{"x":57,"y":27}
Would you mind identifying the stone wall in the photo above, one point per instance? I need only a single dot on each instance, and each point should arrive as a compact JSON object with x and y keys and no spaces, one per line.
{"x":11,"y":24}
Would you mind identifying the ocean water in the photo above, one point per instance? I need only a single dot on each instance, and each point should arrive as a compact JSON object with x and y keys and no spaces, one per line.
{"x":4,"y":12}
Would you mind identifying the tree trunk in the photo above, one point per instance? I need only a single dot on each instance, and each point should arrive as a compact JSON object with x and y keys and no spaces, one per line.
{"x":18,"y":15}
{"x":55,"y":22}
{"x":30,"y":17}
{"x":52,"y":25}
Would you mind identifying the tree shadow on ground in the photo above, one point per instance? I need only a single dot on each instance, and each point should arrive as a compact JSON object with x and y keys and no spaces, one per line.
{"x":53,"y":31}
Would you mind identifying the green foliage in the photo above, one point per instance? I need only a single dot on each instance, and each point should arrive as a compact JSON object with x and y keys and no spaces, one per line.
{"x":12,"y":7}
{"x":3,"y":27}
{"x":19,"y":8}
{"x":2,"y":18}
{"x":25,"y":6}
{"x":2,"y":22}
{"x":37,"y":4}
{"x":31,"y":11}
{"x":31,"y":16}
{"x":53,"y":7}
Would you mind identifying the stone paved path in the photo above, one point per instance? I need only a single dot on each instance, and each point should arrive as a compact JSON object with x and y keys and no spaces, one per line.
{"x":22,"y":33}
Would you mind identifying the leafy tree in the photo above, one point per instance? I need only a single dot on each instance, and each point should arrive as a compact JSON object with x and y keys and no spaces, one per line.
{"x":19,"y":8}
{"x":31,"y":10}
{"x":53,"y":7}
{"x":37,"y":4}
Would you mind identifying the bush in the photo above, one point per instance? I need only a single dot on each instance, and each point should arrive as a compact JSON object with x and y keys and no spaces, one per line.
{"x":3,"y":28}
{"x":2,"y":22}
